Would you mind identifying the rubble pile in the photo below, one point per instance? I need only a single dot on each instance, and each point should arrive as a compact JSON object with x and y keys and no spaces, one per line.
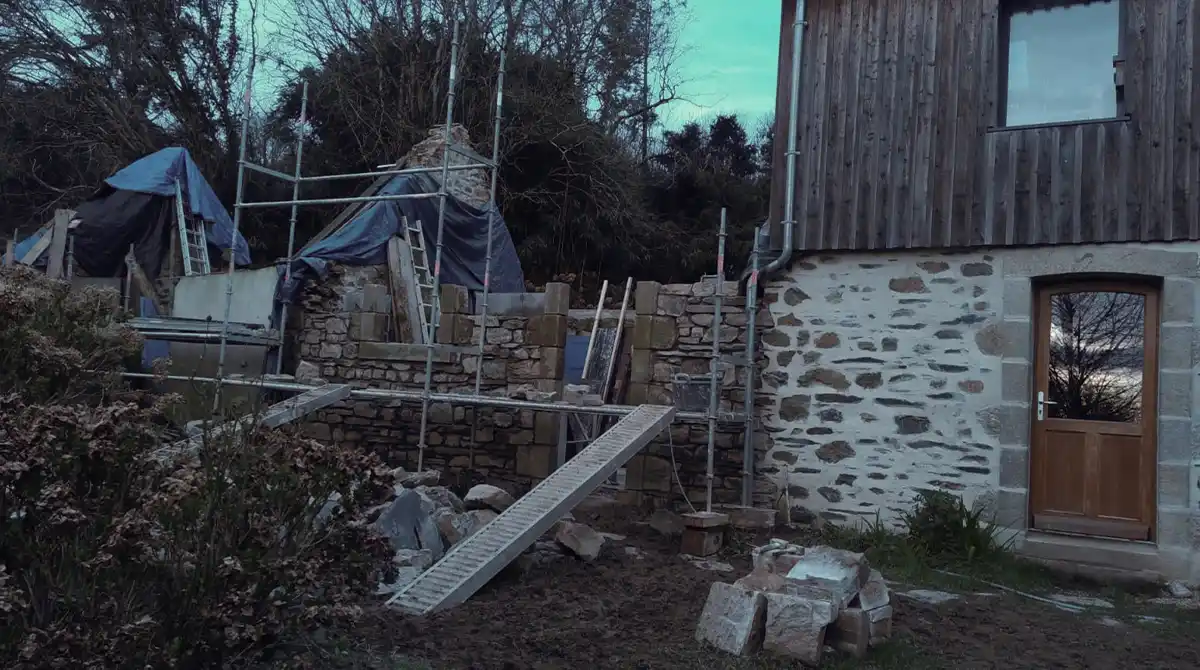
{"x":795,"y":601}
{"x":424,"y":520}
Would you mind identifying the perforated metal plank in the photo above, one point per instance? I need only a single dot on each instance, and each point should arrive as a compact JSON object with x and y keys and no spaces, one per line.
{"x":474,"y":561}
{"x":297,"y":406}
{"x":273,"y":417}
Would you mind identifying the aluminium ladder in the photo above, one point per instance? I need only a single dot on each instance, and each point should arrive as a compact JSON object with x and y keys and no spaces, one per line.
{"x":473,"y":562}
{"x":422,"y":275}
{"x":193,"y":243}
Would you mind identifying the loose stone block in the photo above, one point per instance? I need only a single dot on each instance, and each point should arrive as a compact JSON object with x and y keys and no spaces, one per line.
{"x":879,"y":625}
{"x":795,"y":626}
{"x":733,"y":619}
{"x":842,"y":572}
{"x":851,"y":632}
{"x":873,"y":594}
{"x":558,"y":298}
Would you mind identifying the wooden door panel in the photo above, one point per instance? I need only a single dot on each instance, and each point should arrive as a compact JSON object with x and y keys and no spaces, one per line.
{"x":1062,"y":479}
{"x":1094,"y":409}
{"x":1119,"y":477}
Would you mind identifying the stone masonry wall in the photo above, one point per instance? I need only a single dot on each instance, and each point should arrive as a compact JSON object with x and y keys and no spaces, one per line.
{"x":671,"y":335}
{"x":883,"y":376}
{"x":523,"y":358}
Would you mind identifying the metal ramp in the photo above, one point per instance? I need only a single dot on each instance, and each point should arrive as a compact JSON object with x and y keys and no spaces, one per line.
{"x":422,"y":276}
{"x":273,"y":417}
{"x":473,"y":562}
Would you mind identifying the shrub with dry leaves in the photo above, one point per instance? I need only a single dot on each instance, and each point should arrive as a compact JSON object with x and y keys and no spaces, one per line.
{"x":111,"y":559}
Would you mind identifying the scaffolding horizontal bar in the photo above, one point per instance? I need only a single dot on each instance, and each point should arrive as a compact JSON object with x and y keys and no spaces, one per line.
{"x":398,"y":171}
{"x":417,"y":396}
{"x":269,"y":171}
{"x":340,"y":201}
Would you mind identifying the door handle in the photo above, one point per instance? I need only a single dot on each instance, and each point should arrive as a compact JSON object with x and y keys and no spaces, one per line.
{"x":1041,"y":405}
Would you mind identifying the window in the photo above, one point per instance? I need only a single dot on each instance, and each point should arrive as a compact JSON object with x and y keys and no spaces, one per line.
{"x":1060,"y":60}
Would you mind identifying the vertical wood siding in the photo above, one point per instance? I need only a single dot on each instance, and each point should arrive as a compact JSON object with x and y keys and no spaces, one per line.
{"x":898,"y":149}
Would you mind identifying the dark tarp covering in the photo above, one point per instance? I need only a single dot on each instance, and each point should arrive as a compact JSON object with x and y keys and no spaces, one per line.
{"x":363,"y":240}
{"x":137,"y":206}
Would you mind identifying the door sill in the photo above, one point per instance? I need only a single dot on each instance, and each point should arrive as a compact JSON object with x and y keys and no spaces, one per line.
{"x":1100,"y":554}
{"x":1086,"y":536}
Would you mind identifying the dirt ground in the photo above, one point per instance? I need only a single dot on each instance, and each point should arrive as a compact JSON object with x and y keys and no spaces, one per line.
{"x":638,"y":609}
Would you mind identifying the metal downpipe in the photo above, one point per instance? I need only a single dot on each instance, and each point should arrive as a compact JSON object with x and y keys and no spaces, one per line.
{"x":785,"y":257}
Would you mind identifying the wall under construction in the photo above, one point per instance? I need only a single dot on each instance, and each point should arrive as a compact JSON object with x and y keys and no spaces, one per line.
{"x":344,"y":325}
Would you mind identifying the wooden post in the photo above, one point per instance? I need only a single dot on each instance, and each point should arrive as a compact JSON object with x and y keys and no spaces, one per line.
{"x":58,"y":243}
{"x":10,"y":252}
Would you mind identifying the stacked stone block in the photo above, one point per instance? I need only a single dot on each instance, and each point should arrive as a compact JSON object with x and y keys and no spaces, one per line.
{"x":522,"y":358}
{"x":672,"y":334}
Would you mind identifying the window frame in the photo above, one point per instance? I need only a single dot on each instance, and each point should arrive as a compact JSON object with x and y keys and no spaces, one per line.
{"x":1005,"y":10}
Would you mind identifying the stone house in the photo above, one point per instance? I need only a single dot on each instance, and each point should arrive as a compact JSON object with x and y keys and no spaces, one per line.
{"x":985,"y":274}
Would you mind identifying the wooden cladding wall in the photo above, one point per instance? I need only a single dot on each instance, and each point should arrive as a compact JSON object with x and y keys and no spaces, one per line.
{"x":897,"y":145}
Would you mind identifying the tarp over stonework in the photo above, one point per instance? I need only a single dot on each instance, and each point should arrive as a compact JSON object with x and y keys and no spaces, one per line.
{"x":136,"y":206}
{"x":363,"y":240}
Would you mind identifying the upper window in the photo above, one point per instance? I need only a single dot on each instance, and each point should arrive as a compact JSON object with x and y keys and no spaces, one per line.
{"x":1060,"y":60}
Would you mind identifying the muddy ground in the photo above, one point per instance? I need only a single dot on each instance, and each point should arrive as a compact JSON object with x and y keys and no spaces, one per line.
{"x":637,"y":608}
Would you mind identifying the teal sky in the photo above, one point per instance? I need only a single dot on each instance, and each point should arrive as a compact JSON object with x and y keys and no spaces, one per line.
{"x":730,"y":51}
{"x":727,"y":64}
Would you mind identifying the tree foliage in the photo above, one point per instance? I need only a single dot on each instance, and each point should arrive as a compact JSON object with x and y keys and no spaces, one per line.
{"x":87,"y":87}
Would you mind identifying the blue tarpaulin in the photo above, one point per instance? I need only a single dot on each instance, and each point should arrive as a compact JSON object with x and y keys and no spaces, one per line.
{"x":364,"y":238}
{"x":156,"y":175}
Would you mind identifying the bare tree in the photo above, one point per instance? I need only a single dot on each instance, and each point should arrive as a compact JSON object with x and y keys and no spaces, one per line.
{"x":92,"y":85}
{"x":1096,"y":356}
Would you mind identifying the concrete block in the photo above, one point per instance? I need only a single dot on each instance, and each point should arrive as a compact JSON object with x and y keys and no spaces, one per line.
{"x":795,"y":626}
{"x":645,"y":297}
{"x":640,"y":369}
{"x":702,"y":541}
{"x":637,"y":394}
{"x":547,"y":330}
{"x":535,"y":460}
{"x":874,"y":594}
{"x":552,"y":363}
{"x":369,"y":326}
{"x":842,"y":572}
{"x":377,"y":298}
{"x":455,"y":299}
{"x":733,"y":619}
{"x":851,"y":632}
{"x":879,"y":625}
{"x":558,"y":298}
{"x":1178,"y":300}
{"x":545,"y":428}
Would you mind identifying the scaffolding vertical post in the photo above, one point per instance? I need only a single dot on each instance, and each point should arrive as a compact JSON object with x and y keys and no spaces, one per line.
{"x":287,"y":273}
{"x":237,"y":221}
{"x":714,"y":365}
{"x":437,"y":256}
{"x":487,"y":259}
{"x":748,"y":407}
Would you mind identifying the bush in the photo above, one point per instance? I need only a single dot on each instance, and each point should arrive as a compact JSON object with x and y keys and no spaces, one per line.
{"x":941,"y":526}
{"x":109,"y":558}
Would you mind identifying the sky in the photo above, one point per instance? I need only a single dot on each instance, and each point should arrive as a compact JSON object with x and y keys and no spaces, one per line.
{"x":731,"y":51}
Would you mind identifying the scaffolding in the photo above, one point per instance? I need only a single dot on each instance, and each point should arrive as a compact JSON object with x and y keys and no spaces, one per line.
{"x":229,"y":333}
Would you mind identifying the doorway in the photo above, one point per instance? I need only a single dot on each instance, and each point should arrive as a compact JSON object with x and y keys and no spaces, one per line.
{"x":1093,"y":444}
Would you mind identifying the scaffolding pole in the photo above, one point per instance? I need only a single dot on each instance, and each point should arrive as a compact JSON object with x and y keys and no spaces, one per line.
{"x":431,"y":338}
{"x":748,"y":407}
{"x":237,"y":222}
{"x":417,"y":396}
{"x":487,"y":259}
{"x":287,"y":273}
{"x":715,"y":364}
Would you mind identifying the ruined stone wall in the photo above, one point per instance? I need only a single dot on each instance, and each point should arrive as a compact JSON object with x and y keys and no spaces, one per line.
{"x":522,"y":359}
{"x":883,"y":375}
{"x":671,"y":335}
